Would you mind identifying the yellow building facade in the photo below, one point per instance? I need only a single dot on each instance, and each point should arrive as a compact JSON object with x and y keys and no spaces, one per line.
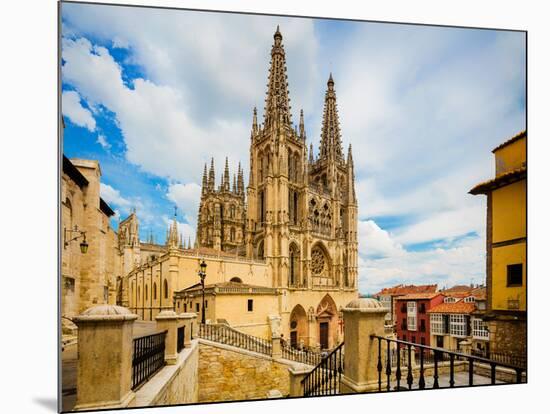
{"x":507,"y":247}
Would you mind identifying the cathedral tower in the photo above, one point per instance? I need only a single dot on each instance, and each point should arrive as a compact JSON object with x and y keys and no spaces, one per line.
{"x":222,"y":211}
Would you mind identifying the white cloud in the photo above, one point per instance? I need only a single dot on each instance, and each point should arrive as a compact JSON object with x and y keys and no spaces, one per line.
{"x":73,"y":109}
{"x":187,"y":198}
{"x":462,"y":264}
{"x":102,"y":140}
{"x":374,"y":241}
{"x":112,"y":196}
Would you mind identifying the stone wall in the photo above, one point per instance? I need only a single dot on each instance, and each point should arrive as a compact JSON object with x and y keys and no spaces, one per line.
{"x":508,"y":336}
{"x":173,"y":384}
{"x":227,"y":374}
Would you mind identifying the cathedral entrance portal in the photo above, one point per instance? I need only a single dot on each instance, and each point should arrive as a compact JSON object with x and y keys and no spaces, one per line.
{"x":323,"y":335}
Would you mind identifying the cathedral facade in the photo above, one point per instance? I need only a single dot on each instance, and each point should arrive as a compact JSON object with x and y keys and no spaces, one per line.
{"x":284,"y":248}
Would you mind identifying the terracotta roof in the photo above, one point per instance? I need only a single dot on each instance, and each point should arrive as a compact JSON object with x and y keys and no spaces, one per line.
{"x":413,"y":296}
{"x":512,"y":140}
{"x":503,"y":179}
{"x":407,"y":289}
{"x":197,"y":286}
{"x":457,"y":307}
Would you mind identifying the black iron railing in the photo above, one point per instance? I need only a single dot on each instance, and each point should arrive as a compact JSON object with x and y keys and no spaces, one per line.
{"x":229,"y":336}
{"x":181,"y":338}
{"x":510,"y":359}
{"x":148,"y":357}
{"x":406,"y":365}
{"x":324,"y":379}
{"x":303,"y":356}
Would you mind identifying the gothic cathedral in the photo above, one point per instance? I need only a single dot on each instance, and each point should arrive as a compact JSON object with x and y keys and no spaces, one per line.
{"x":300,"y":212}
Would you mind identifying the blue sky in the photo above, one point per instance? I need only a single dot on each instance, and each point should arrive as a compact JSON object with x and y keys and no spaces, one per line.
{"x":153,"y":94}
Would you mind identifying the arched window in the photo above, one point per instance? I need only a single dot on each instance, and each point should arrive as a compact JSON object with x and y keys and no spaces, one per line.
{"x":146,"y":292}
{"x":232,"y":234}
{"x":236,"y":280}
{"x":155,"y":290}
{"x":294,"y":256}
{"x":165,"y":289}
{"x":261,"y":250}
{"x":138,"y":296}
{"x":262,"y":207}
{"x":232,"y":211}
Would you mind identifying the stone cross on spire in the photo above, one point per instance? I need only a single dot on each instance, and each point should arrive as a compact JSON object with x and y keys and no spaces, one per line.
{"x":331,"y":143}
{"x":277,"y":100}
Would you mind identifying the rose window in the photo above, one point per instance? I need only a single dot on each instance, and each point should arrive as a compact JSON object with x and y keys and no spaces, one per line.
{"x":317,"y":261}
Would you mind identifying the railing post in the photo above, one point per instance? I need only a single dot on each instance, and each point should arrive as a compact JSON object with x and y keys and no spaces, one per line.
{"x":104,"y":368}
{"x":167,"y":320}
{"x":275,"y":324}
{"x":362,"y":318}
{"x":188,"y":320}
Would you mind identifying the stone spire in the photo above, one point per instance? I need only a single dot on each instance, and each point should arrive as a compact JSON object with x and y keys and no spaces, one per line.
{"x":211,"y":176}
{"x":240,"y":181}
{"x":351,"y":174}
{"x":226,"y":182}
{"x":255,"y":121}
{"x":331,"y":144}
{"x":234,"y":184}
{"x":277,"y":105}
{"x":311,"y":160}
{"x":204,"y":180}
{"x":302,"y":128}
{"x":173,"y":239}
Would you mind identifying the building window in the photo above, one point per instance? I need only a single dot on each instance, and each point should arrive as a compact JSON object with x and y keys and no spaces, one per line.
{"x":411,"y":316}
{"x":469,"y":299}
{"x":165,"y":289}
{"x":106,"y":294}
{"x":205,"y":304}
{"x":185,"y":307}
{"x":250,"y":305}
{"x":437,"y":326}
{"x":422,"y":308}
{"x":197,"y":307}
{"x":155,"y":291}
{"x":422,"y":325}
{"x":458,"y":325}
{"x":449,"y":300}
{"x":479,"y":329}
{"x":515,"y":275}
{"x":422,"y":341}
{"x":146,"y":292}
{"x":405,"y":338}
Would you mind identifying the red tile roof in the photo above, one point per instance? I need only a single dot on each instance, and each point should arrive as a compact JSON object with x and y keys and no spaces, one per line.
{"x":414,"y":296}
{"x":407,"y":289}
{"x":456,"y":307}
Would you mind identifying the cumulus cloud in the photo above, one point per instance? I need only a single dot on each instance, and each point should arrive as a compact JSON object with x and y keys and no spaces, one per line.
{"x":376,"y":242}
{"x":73,"y":109}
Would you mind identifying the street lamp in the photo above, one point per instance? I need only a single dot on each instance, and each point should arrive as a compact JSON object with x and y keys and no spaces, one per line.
{"x":202,"y":275}
{"x":68,"y":232}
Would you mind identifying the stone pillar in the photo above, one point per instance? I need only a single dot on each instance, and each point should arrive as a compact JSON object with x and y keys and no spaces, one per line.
{"x":188,"y":319}
{"x":275,"y":324}
{"x":104,"y":368}
{"x":167,"y":321}
{"x":296,"y":374}
{"x":363,"y":317}
{"x":465,"y":346}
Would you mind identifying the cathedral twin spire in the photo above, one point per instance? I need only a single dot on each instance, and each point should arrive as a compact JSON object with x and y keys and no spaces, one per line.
{"x":278,"y":105}
{"x":331,"y":142}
